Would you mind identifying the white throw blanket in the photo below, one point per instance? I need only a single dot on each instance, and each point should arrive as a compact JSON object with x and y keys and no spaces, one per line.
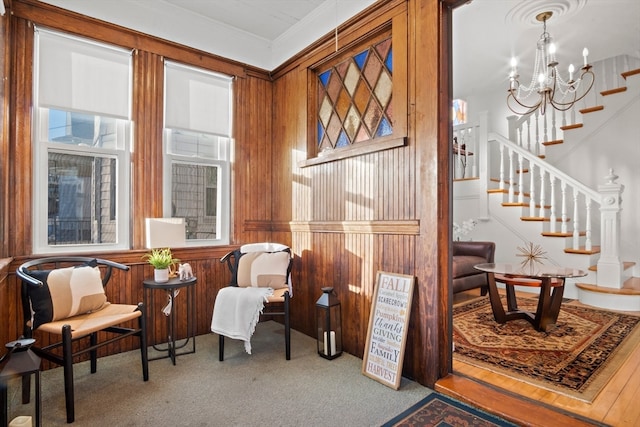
{"x":237,"y":311}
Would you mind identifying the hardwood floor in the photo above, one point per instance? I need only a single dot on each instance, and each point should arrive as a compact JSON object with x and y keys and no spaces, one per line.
{"x":616,"y":405}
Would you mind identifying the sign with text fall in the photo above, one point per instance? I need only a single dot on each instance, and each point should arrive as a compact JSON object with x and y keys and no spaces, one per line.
{"x":388,"y":325}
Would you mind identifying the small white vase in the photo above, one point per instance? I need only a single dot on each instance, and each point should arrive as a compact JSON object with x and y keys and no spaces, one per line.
{"x":161,"y":275}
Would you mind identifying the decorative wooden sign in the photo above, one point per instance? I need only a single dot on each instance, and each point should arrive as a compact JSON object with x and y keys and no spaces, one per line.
{"x":388,"y":326}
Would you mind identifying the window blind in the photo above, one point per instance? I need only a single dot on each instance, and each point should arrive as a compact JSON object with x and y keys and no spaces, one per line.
{"x":78,"y":74}
{"x":197,"y":100}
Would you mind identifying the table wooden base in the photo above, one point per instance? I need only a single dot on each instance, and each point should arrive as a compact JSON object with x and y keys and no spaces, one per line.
{"x":549,"y":301}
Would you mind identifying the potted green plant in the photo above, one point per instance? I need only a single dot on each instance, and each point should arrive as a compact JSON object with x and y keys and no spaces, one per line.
{"x":161,"y":260}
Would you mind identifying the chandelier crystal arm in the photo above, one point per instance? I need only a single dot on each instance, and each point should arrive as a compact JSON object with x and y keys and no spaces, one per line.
{"x":547,"y":86}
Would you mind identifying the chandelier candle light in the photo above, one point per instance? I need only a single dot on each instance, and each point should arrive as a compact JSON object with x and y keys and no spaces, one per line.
{"x":547,"y":85}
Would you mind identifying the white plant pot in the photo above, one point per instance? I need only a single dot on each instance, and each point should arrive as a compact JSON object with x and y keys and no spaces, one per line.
{"x":161,"y":276}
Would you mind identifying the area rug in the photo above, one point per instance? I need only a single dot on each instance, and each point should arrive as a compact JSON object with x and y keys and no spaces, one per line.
{"x":440,"y":410}
{"x":576,"y":358}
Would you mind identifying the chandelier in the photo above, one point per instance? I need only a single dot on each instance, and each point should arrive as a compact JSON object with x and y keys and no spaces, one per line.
{"x":547,"y":86}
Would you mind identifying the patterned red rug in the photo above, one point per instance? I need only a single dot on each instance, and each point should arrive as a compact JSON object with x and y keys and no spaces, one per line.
{"x":442,"y":411}
{"x":577,"y":357}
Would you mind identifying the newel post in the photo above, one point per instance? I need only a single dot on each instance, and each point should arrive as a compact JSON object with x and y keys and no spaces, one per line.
{"x":610,"y":267}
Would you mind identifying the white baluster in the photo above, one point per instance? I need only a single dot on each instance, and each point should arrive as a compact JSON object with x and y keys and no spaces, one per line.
{"x":542,"y":173}
{"x":553,"y":125}
{"x":511,"y":178}
{"x":528,"y":123}
{"x":532,"y":191}
{"x":563,"y":217}
{"x":576,"y":224}
{"x":552,"y":217}
{"x":474,"y":149}
{"x":587,"y":241}
{"x":521,"y":179}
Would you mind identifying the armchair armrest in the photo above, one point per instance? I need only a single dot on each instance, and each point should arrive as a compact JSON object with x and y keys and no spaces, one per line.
{"x":485,"y":250}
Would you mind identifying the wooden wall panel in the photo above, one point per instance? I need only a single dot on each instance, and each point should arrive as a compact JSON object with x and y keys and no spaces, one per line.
{"x":386,"y":210}
{"x":146,"y":158}
{"x":5,"y":66}
{"x":253,"y":172}
{"x":20,"y":166}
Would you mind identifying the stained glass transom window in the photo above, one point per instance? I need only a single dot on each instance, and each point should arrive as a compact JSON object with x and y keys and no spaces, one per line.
{"x":354,"y":98}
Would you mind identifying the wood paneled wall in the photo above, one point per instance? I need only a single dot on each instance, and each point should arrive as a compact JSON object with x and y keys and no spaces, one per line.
{"x":345,"y":220}
{"x":386,"y":210}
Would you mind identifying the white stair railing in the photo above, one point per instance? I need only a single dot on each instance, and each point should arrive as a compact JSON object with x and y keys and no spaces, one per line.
{"x":548,"y":189}
{"x":466,"y":139}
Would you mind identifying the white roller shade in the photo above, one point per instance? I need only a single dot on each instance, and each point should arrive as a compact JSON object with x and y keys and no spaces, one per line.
{"x":81,"y":75}
{"x":197,"y":100}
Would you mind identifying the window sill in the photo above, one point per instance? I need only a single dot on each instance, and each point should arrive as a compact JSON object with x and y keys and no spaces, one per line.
{"x":355,"y":150}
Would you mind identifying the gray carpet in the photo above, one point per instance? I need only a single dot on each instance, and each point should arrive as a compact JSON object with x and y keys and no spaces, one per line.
{"x":258,"y":389}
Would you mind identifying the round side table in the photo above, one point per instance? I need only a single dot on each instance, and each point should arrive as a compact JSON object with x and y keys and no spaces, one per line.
{"x":170,"y":289}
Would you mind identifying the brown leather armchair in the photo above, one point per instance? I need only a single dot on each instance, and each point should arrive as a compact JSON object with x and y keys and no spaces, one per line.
{"x":465,"y":256}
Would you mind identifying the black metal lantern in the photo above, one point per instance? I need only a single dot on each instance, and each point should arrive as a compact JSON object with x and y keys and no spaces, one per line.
{"x":329,"y":324}
{"x":22,"y":363}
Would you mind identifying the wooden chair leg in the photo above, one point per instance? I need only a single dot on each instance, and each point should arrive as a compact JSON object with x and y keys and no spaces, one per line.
{"x":93,"y":354}
{"x":67,"y":357}
{"x":221,"y":347}
{"x":287,"y":327}
{"x":144,"y":355}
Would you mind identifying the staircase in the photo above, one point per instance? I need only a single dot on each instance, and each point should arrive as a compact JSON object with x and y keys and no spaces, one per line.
{"x":534,"y":197}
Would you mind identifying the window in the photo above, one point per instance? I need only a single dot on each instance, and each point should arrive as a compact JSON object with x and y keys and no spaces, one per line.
{"x":198,"y":152}
{"x":354,"y":98}
{"x":81,"y":144}
{"x":358,"y":97}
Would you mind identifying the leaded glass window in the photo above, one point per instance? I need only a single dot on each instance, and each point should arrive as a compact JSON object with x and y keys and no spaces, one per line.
{"x":354,"y":98}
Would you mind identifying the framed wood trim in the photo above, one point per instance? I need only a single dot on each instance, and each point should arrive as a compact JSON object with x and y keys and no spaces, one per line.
{"x":355,"y":150}
{"x":265,"y":225}
{"x":402,"y":227}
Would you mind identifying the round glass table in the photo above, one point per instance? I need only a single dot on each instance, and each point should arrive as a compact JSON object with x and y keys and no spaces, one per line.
{"x":549,"y":278}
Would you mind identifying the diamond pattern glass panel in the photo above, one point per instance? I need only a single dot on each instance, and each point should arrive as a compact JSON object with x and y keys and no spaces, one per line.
{"x":354,"y":98}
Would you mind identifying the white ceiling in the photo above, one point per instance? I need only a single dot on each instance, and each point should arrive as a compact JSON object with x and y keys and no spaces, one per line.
{"x":265,"y":33}
{"x":262,"y":33}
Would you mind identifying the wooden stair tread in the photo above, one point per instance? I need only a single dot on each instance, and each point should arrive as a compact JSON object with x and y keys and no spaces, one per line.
{"x":540,"y":218}
{"x":496,"y":190}
{"x":612,"y":91}
{"x":554,"y":142}
{"x":518,"y":410}
{"x":631,"y":286}
{"x":630,"y":73}
{"x":625,"y":266}
{"x":582,"y":251}
{"x":561,"y":234}
{"x":592,"y":109}
{"x":573,"y":126}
